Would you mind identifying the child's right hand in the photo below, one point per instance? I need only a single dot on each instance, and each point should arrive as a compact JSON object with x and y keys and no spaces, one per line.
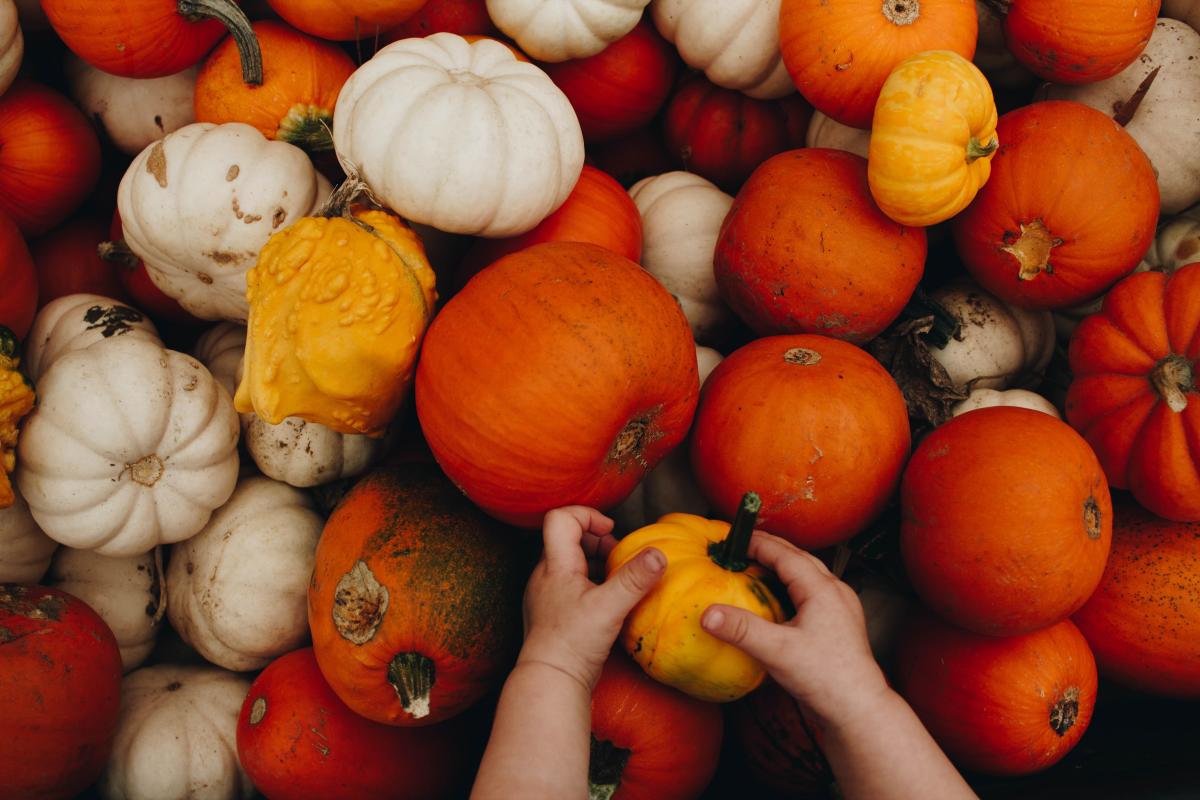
{"x":821,"y":656}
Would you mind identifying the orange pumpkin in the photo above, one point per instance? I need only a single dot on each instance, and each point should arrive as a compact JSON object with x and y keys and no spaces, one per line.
{"x":560,"y":374}
{"x":1135,"y":396}
{"x":1071,"y":206}
{"x":452,"y":16}
{"x":301,"y":80}
{"x":19,"y":299}
{"x":839,"y":54}
{"x":415,"y":599}
{"x":68,"y":263}
{"x":1006,"y":520}
{"x":777,"y":744}
{"x":815,"y":425}
{"x":1081,"y":41}
{"x":805,"y":249}
{"x":1008,"y":706}
{"x":384,"y":13}
{"x":325,"y":19}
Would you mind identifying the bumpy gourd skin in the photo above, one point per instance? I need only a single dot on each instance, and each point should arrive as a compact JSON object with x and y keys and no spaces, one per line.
{"x":16,"y":400}
{"x":337,"y":312}
{"x":663,"y":633}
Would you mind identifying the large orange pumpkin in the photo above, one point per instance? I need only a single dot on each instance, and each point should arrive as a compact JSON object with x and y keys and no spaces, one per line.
{"x":19,"y":299}
{"x":68,"y":263}
{"x":1135,"y":397}
{"x":1006,"y":520}
{"x":1081,"y":41}
{"x":325,"y":19}
{"x":385,"y":13}
{"x":814,"y":425}
{"x":560,"y":374}
{"x":805,"y":249}
{"x":1008,"y":706}
{"x":1071,"y":207}
{"x":415,"y":599}
{"x":839,"y":54}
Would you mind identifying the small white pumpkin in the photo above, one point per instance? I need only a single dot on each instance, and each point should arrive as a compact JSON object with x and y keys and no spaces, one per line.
{"x":128,"y":593}
{"x":221,"y":348}
{"x":237,"y":591}
{"x":827,"y":132}
{"x":177,"y":736}
{"x":992,"y":55}
{"x":681,"y":219}
{"x":25,"y":551}
{"x":1019,"y":398}
{"x":734,"y":42}
{"x":558,"y":30}
{"x":76,"y":321}
{"x":1167,"y":122}
{"x":130,"y":446}
{"x":1185,"y":10}
{"x":197,"y":206}
{"x":12,"y":44}
{"x":498,"y":146}
{"x":134,"y":112}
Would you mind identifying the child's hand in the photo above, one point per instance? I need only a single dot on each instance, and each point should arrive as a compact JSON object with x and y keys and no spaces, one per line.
{"x":570,"y":622}
{"x":821,"y":656}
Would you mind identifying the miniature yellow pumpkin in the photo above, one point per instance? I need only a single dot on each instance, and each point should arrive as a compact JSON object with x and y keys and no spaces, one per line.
{"x":932,"y":138}
{"x":16,"y":400}
{"x":338,"y":307}
{"x":706,"y":564}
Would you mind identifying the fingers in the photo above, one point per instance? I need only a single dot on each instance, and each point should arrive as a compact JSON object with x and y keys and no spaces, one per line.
{"x":744,"y":630}
{"x":617,"y":596}
{"x":563,"y":531}
{"x":802,"y":573}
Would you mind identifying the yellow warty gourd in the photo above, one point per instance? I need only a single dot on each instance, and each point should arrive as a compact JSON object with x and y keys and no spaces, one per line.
{"x":337,"y":311}
{"x":16,"y":400}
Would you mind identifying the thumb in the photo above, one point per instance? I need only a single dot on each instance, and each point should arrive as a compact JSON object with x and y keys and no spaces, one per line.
{"x":624,"y":588}
{"x":749,"y":632}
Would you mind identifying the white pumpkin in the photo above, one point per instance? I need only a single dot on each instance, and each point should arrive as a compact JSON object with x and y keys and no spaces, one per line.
{"x":25,"y":551}
{"x":128,"y":593}
{"x":1167,"y":123}
{"x":237,"y":591}
{"x":498,"y":147}
{"x":1019,"y":398}
{"x":134,"y":112}
{"x":992,"y":55}
{"x":12,"y":44}
{"x":997,"y":345}
{"x":221,"y":348}
{"x":130,"y":446}
{"x":734,"y":42}
{"x":177,"y":736}
{"x":558,"y":30}
{"x":1186,"y":10}
{"x":827,"y":132}
{"x":197,"y":206}
{"x":681,"y":219}
{"x":76,"y":321}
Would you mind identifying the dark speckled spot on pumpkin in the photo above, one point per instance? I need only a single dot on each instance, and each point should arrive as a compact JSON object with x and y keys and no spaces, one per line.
{"x":1092,"y":522}
{"x":359,"y":603}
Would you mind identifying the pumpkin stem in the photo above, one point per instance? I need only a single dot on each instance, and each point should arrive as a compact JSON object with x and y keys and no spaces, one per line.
{"x":730,"y":553}
{"x":412,"y":676}
{"x":945,"y":325}
{"x":1064,"y":713}
{"x":307,"y":127}
{"x":8,"y":343}
{"x":606,"y":764}
{"x":227,"y":13}
{"x":347,"y":193}
{"x":119,"y":252}
{"x":976,"y":151}
{"x":1173,"y":378}
{"x":1031,"y":249}
{"x":999,"y":7}
{"x":1126,"y":110}
{"x":902,"y":12}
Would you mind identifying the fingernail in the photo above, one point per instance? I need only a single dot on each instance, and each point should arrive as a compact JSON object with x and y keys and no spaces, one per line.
{"x":656,"y":560}
{"x":713,"y":619}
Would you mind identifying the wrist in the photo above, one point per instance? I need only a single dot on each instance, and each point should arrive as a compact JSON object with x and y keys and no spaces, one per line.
{"x":860,"y":706}
{"x":553,"y":656}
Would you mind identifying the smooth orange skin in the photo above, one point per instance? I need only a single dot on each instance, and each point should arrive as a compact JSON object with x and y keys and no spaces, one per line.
{"x":1143,"y":445}
{"x":805,"y":249}
{"x":452,"y":16}
{"x":325,"y":19}
{"x":1081,"y":41}
{"x":19,"y":299}
{"x":993,"y":528}
{"x":987,"y":701}
{"x":67,"y":262}
{"x":384,"y":13}
{"x":822,"y":444}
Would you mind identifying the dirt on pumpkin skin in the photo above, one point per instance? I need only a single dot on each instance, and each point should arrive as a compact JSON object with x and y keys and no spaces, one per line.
{"x":14,"y":599}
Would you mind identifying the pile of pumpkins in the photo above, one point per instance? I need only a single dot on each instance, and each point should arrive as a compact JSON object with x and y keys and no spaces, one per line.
{"x":279,"y":450}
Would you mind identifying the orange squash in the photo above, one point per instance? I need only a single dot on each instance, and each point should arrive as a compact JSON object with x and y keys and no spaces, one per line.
{"x":384,"y":13}
{"x":325,"y":19}
{"x":19,"y":299}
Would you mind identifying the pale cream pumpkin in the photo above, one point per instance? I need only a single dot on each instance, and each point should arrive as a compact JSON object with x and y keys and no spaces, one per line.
{"x":220,"y":348}
{"x":558,"y":30}
{"x":1021,"y":398}
{"x":76,"y":321}
{"x":1185,"y":10}
{"x":134,"y":112}
{"x":12,"y":44}
{"x":25,"y":551}
{"x":824,"y":131}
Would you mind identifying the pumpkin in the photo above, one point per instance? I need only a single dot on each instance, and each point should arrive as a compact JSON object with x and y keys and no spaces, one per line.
{"x":67,"y":262}
{"x":482,"y":108}
{"x":648,"y":741}
{"x":735,"y":44}
{"x":18,"y":301}
{"x":795,"y":417}
{"x":706,"y":564}
{"x":932,"y":138}
{"x":724,"y":135}
{"x":16,"y":401}
{"x":131,"y":271}
{"x":1186,"y":10}
{"x":1006,"y":521}
{"x":1163,"y":120}
{"x":128,"y":593}
{"x":777,"y":744}
{"x":633,"y":156}
{"x":840,"y":54}
{"x":790,"y":255}
{"x":198,"y":205}
{"x":384,"y":13}
{"x":565,"y":29}
{"x":1143,"y":622}
{"x":1176,"y":244}
{"x":1135,"y":397}
{"x":1021,"y":398}
{"x":25,"y":551}
{"x":620,"y":88}
{"x":12,"y":44}
{"x":220,"y":349}
{"x":177,"y":735}
{"x":236,"y":591}
{"x":337,"y":310}
{"x":49,"y":157}
{"x":452,"y":16}
{"x":341,"y":756}
{"x":133,"y":112}
{"x":1070,"y":208}
{"x":560,"y":374}
{"x":77,"y":321}
{"x":1078,"y":42}
{"x":325,"y":19}
{"x":992,"y":55}
{"x":827,"y":132}
{"x":301,"y":80}
{"x":122,"y":433}
{"x":681,"y":218}
{"x":1008,"y":706}
{"x":415,"y":598}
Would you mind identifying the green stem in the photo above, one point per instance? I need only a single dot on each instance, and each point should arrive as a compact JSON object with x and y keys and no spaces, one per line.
{"x":227,"y":13}
{"x":606,"y":764}
{"x":412,"y":676}
{"x":119,"y":252}
{"x":730,"y":553}
{"x":976,"y":151}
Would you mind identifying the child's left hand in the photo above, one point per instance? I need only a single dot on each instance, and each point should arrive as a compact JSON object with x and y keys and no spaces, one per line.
{"x":570,"y":622}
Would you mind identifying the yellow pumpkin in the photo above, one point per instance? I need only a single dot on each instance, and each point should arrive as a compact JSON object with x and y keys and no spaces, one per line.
{"x":706,"y":564}
{"x":932,"y":138}
{"x":16,"y":400}
{"x":338,"y":307}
